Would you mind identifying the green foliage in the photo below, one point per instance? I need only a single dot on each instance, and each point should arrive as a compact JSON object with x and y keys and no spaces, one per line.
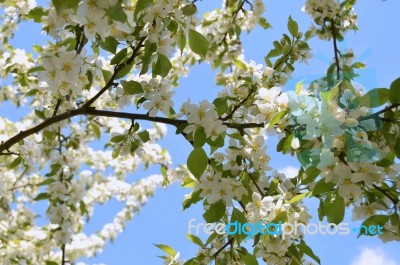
{"x":132,"y":87}
{"x":197,"y":162}
{"x":198,"y":43}
{"x":162,"y":66}
{"x":215,"y":212}
{"x":61,"y":5}
{"x":394,"y":93}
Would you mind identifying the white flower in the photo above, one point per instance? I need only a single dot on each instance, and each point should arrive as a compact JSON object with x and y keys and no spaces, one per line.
{"x":260,"y":207}
{"x":295,"y":144}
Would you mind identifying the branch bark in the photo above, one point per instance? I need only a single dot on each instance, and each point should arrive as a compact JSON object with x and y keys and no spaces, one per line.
{"x":106,"y":113}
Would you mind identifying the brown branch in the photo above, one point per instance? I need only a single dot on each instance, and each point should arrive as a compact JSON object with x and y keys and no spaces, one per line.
{"x":336,"y":50}
{"x":394,"y":200}
{"x":81,"y":43}
{"x":238,"y":106}
{"x":57,"y":107}
{"x":63,"y":254}
{"x":373,"y":115}
{"x":105,"y":113}
{"x":255,"y":183}
{"x":117,"y":69}
{"x":8,"y":153}
{"x":230,"y":242}
{"x":235,"y":14}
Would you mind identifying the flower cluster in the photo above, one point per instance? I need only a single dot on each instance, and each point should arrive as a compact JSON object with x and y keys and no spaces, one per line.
{"x":331,"y":17}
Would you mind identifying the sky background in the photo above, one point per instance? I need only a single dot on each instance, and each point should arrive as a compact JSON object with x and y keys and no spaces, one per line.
{"x":162,"y":220}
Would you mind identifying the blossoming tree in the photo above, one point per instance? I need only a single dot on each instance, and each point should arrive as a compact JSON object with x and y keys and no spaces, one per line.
{"x":110,"y":65}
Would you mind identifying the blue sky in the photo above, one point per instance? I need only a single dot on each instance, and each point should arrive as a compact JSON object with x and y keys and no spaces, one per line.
{"x":162,"y":221}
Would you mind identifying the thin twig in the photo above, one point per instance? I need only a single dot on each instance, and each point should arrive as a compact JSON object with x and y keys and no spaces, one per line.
{"x":106,"y":113}
{"x":373,"y":115}
{"x":235,"y":14}
{"x":336,"y":50}
{"x":230,"y":242}
{"x":63,"y":254}
{"x":117,"y":69}
{"x":394,"y":200}
{"x":255,"y":183}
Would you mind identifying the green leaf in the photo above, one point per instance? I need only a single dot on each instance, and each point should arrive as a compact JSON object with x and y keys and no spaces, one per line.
{"x":394,"y":93}
{"x":192,"y":261}
{"x":322,"y":187}
{"x":142,"y":5}
{"x":397,"y":149}
{"x":117,"y":13}
{"x":195,"y":239}
{"x":221,"y":105}
{"x":106,"y":75}
{"x":287,"y":145}
{"x":293,"y":27}
{"x":215,"y":212}
{"x":197,"y":162}
{"x":15,"y":162}
{"x":49,"y":262}
{"x":110,"y":44}
{"x":334,"y":208}
{"x":41,"y":196}
{"x":62,"y":5}
{"x":145,"y":136}
{"x":247,"y":257}
{"x":198,"y":43}
{"x":45,"y":182}
{"x":96,"y":130}
{"x":218,"y":142}
{"x":277,"y":118}
{"x":264,"y":23}
{"x":189,"y":9}
{"x":193,"y":198}
{"x":162,"y":66}
{"x":118,"y":138}
{"x":303,"y":247}
{"x":239,"y":64}
{"x":172,"y":26}
{"x":273,"y":53}
{"x":132,"y":87}
{"x":54,"y":168}
{"x":37,"y":13}
{"x":330,"y":94}
{"x":281,"y":217}
{"x":310,"y":175}
{"x":395,"y":219}
{"x":40,"y":114}
{"x":181,"y":40}
{"x":375,"y":98}
{"x":167,"y":249}
{"x":300,"y":197}
{"x":119,"y":57}
{"x":199,"y":138}
{"x":358,"y":65}
{"x":375,"y":220}
{"x":125,"y":70}
{"x":36,"y":69}
{"x":188,"y":182}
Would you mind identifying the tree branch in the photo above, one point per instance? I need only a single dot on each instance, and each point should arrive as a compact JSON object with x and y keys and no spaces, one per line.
{"x":117,"y":69}
{"x":336,"y":50}
{"x":235,"y":13}
{"x":238,"y":106}
{"x":394,"y":200}
{"x":373,"y":115}
{"x":230,"y":242}
{"x":63,"y":254}
{"x":106,"y":113}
